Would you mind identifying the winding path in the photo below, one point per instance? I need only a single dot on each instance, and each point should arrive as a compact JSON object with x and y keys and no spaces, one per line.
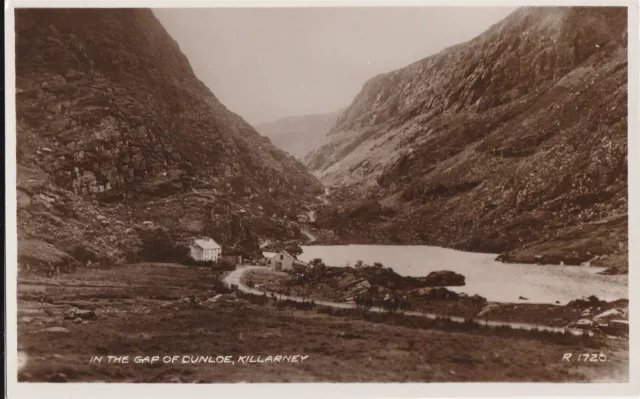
{"x":310,"y":236}
{"x":235,"y":276}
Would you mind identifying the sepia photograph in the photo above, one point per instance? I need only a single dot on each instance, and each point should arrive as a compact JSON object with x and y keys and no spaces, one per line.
{"x":398,"y":194}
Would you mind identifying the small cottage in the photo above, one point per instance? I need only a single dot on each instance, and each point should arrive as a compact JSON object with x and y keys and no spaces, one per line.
{"x":204,"y":249}
{"x":284,"y":261}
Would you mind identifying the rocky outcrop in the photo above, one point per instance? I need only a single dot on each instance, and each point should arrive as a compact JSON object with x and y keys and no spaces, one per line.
{"x":114,"y":129}
{"x":105,"y":113}
{"x":514,"y":142}
{"x":443,"y":278}
{"x":299,"y":135}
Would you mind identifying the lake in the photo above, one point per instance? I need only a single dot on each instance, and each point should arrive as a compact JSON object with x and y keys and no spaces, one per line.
{"x":493,"y":280}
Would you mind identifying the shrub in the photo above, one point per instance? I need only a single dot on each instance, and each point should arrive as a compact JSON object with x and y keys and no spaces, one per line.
{"x":159,"y":246}
{"x":257,"y":299}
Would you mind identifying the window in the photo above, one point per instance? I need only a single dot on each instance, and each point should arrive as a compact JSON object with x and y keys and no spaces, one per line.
{"x":281,"y":257}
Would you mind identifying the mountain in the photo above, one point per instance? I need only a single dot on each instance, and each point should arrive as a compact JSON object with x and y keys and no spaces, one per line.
{"x":514,"y":142}
{"x":298,"y":135}
{"x":116,"y":134}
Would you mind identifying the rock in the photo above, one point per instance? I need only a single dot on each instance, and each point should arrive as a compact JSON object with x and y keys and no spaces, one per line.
{"x":612,"y":271}
{"x":25,"y":320}
{"x":77,"y":320}
{"x":192,"y":300}
{"x":582,"y":323}
{"x":82,"y":314}
{"x":611,"y":314}
{"x":443,"y":278}
{"x":347,"y":281}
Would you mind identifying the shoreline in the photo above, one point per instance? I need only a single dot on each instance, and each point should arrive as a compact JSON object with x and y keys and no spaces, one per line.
{"x":539,"y":283}
{"x":500,"y":313}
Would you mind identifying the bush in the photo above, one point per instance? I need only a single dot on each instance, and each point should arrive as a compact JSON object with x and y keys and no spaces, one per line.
{"x":159,"y":246}
{"x":257,"y":299}
{"x":223,"y":265}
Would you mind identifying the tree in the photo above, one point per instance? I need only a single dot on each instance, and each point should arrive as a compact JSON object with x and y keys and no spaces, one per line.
{"x":359,"y":264}
{"x":378,"y":265}
{"x":316,"y":262}
{"x":159,"y":246}
{"x":294,"y":249}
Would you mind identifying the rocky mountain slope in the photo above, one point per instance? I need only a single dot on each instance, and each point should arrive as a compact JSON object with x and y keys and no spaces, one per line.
{"x":115,"y":133}
{"x":514,"y":142}
{"x":299,"y":135}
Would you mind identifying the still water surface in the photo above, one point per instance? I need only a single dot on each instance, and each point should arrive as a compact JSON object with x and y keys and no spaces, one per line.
{"x":493,"y":280}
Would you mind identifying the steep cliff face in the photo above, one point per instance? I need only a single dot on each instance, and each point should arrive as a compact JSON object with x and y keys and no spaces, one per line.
{"x":299,"y":135}
{"x":513,"y":142}
{"x":110,"y":115}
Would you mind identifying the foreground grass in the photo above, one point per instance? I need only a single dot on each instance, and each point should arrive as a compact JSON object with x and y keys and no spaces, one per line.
{"x":341,"y":348}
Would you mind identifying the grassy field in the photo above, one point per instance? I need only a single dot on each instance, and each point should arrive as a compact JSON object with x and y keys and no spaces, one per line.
{"x":139,"y":314}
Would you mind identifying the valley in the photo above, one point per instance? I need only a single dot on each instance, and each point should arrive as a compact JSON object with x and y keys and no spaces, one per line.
{"x":479,"y":190}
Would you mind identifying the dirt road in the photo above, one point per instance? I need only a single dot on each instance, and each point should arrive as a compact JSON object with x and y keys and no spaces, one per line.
{"x":235,"y":278}
{"x":310,"y":236}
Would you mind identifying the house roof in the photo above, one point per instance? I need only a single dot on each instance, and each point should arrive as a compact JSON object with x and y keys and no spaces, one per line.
{"x":269,"y":254}
{"x":207,"y":243}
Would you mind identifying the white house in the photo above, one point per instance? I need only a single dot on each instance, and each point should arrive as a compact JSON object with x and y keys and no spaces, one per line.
{"x":285,"y":261}
{"x":205,"y":249}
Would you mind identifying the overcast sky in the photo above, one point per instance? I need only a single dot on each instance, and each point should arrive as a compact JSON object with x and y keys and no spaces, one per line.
{"x":265,"y":64}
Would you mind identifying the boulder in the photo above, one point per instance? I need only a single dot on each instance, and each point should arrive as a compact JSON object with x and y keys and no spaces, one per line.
{"x":611,"y":314}
{"x":347,"y":281}
{"x":82,"y":314}
{"x":443,"y":278}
